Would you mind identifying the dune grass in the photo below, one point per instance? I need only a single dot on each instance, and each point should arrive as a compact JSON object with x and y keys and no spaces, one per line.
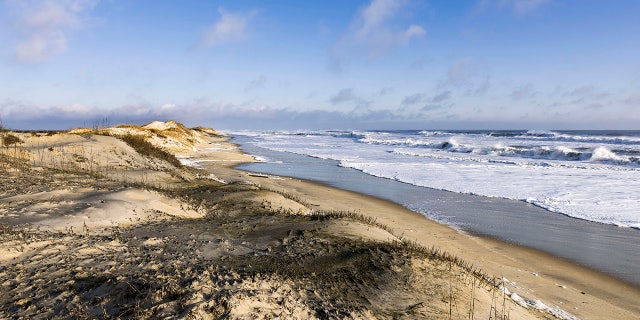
{"x":9,"y":139}
{"x":145,"y":148}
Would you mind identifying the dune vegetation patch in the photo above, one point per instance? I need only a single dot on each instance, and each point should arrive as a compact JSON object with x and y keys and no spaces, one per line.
{"x":10,"y":139}
{"x":145,"y":148}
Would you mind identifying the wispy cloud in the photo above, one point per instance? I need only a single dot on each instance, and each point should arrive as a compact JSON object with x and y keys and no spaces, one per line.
{"x":43,"y":27}
{"x":523,"y":92}
{"x":373,"y":26}
{"x":386,"y":90}
{"x":343,"y":95}
{"x":587,"y":91}
{"x":348,"y":96}
{"x":442,"y":96}
{"x":231,"y":27}
{"x":586,"y":97}
{"x":633,"y":100}
{"x":519,"y":7}
{"x":465,"y":74}
{"x":435,"y":106}
{"x":586,"y":94}
{"x":426,"y":102}
{"x":376,"y":28}
{"x":461,"y":71}
{"x":413,"y":99}
{"x":258,"y":83}
{"x":525,"y":6}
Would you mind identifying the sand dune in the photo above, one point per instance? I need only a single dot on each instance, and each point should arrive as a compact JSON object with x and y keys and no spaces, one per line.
{"x":93,"y":226}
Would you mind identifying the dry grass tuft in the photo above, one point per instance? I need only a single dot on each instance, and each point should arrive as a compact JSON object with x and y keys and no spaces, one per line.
{"x":9,"y":139}
{"x":289,"y":195}
{"x":145,"y":148}
{"x":130,"y":126}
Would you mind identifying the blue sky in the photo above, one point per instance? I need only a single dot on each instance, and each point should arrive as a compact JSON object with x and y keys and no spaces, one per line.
{"x":402,"y":64}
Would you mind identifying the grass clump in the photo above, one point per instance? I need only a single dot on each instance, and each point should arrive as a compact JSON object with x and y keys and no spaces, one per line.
{"x":145,"y":148}
{"x":9,"y":139}
{"x":129,"y":126}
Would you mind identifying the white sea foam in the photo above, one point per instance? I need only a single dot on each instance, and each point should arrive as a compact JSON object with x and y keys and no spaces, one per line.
{"x":260,"y":158}
{"x":188,"y":161}
{"x":584,"y":176}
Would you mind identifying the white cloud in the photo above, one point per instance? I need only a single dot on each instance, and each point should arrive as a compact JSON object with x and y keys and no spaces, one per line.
{"x":411,"y":32}
{"x":376,"y":29}
{"x":43,"y":26}
{"x":75,"y":110}
{"x":231,"y":27}
{"x":21,"y":111}
{"x":374,"y":15}
{"x":374,"y":26}
{"x":40,"y":47}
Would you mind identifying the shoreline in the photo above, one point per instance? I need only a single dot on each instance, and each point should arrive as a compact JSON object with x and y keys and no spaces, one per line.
{"x":602,"y":247}
{"x":485,"y":237}
{"x":578,"y":289}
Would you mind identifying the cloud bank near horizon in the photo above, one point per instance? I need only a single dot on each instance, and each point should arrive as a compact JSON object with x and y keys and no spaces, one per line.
{"x":431,"y":114}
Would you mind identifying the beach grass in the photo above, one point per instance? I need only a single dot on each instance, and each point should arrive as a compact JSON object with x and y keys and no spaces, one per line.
{"x":145,"y":148}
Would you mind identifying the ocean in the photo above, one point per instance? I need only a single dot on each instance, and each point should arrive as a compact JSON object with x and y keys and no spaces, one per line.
{"x":575,"y":194}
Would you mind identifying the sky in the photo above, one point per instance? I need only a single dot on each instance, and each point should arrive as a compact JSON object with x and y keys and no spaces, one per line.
{"x":344,"y":64}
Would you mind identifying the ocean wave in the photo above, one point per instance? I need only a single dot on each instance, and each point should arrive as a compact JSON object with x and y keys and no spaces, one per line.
{"x":565,"y":177}
{"x":409,"y":141}
{"x":620,"y":138}
{"x":540,"y":133}
{"x":481,"y":144}
{"x":434,"y":133}
{"x":600,"y":155}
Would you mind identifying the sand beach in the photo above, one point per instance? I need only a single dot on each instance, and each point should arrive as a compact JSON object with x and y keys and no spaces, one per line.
{"x":154,"y":221}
